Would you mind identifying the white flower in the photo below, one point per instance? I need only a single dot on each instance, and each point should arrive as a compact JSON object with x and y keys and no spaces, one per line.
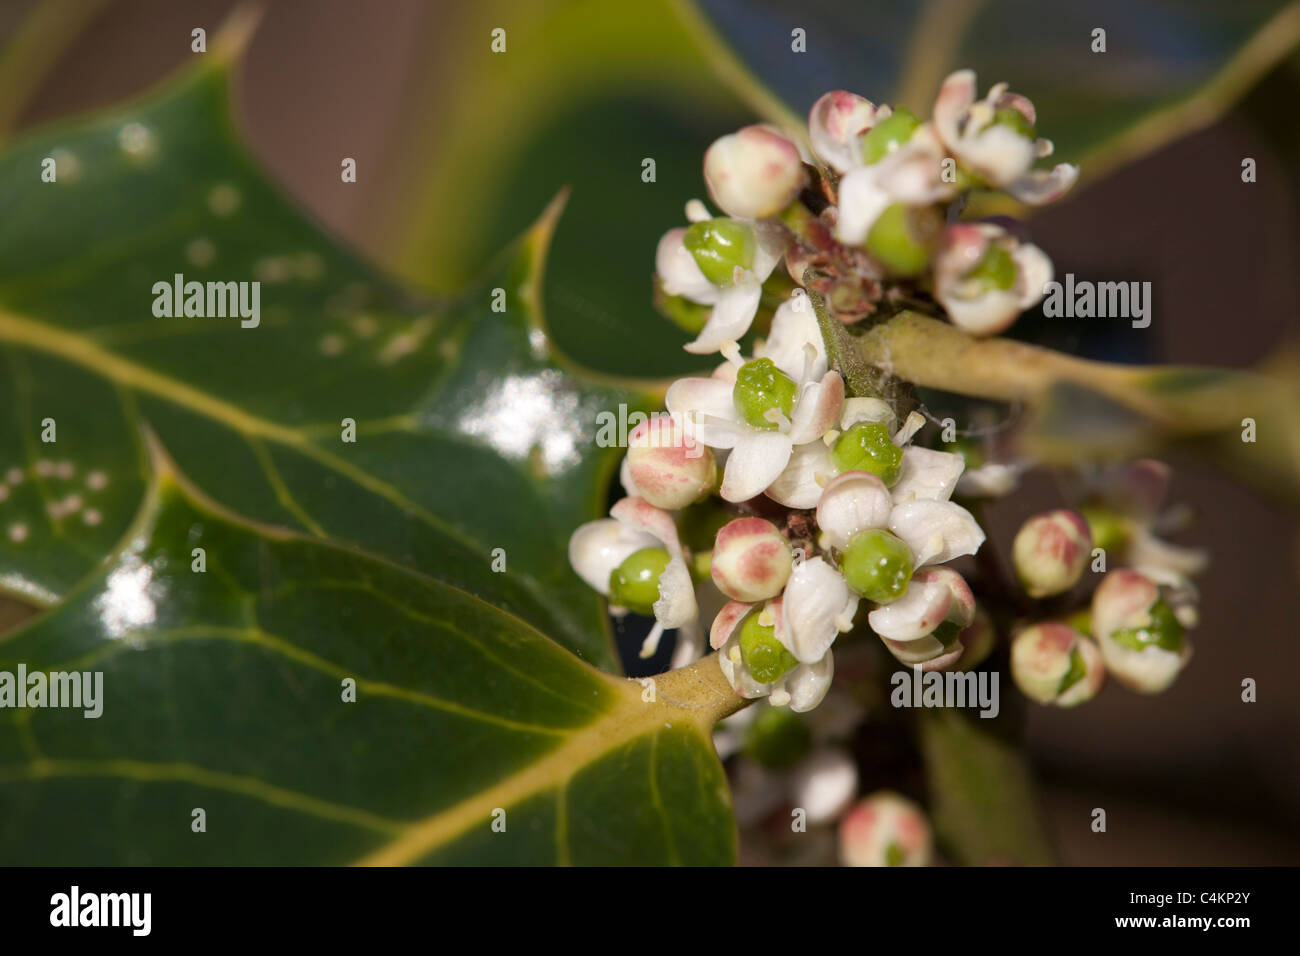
{"x":801,"y":688}
{"x":818,"y":607}
{"x":912,"y":174}
{"x":734,"y":305}
{"x":916,"y":509}
{"x":907,"y":626}
{"x":999,"y":154}
{"x":759,"y":457}
{"x":936,"y":530}
{"x":975,"y":302}
{"x":598,"y":547}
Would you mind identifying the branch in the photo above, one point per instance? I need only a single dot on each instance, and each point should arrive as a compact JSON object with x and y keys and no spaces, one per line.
{"x":1083,"y":408}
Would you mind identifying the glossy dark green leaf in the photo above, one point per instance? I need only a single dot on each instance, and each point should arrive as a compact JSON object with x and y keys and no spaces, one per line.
{"x":325,"y":559}
{"x":586,"y":92}
{"x":225,"y":691}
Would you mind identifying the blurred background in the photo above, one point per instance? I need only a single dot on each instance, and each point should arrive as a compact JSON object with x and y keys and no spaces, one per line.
{"x":458,"y":149}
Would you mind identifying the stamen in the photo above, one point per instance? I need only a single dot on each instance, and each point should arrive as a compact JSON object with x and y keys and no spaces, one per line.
{"x":731,"y":352}
{"x":915,"y":422}
{"x":696,"y":211}
{"x":651,"y":643}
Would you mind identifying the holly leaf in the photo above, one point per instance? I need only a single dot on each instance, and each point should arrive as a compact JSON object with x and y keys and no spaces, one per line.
{"x":317,"y":551}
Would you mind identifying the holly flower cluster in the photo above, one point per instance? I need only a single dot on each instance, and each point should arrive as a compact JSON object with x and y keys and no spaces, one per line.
{"x":767,"y":507}
{"x":866,"y":218}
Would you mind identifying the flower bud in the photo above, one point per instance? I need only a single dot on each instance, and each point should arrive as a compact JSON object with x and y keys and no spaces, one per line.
{"x":1053,"y":663}
{"x":885,"y":829}
{"x":1050,"y":552}
{"x":1140,"y":635}
{"x":668,"y":467}
{"x":751,"y":560}
{"x":753,"y":173}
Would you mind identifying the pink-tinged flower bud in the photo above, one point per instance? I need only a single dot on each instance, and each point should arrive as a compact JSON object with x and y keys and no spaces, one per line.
{"x":751,"y":560}
{"x":1053,"y":663}
{"x":753,"y":173}
{"x":885,"y":829}
{"x":1139,"y":631}
{"x":1050,"y":552}
{"x":669,"y":467}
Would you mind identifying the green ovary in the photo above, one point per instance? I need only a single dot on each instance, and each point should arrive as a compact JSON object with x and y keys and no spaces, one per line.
{"x":765,"y":656}
{"x":761,"y":387}
{"x":902,"y":238}
{"x":719,"y":246}
{"x":867,"y":447}
{"x":997,"y":270}
{"x":634,"y":584}
{"x":889,"y":134}
{"x":877,"y":565}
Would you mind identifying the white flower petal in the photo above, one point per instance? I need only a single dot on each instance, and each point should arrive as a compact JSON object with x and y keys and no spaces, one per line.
{"x":816,"y":602}
{"x":676,"y":605}
{"x":1039,"y":186}
{"x":915,"y":615}
{"x":626,"y":480}
{"x":861,"y":201}
{"x":817,"y":409}
{"x":927,"y":474}
{"x":955,"y":98}
{"x":638,"y":515}
{"x":794,"y":326}
{"x":800,"y":484}
{"x":992,"y":480}
{"x":678,"y":272}
{"x":835,"y":123}
{"x":986,"y":314}
{"x":598,"y":547}
{"x":693,"y":401}
{"x":757,"y":460}
{"x":936,"y":531}
{"x":866,"y":410}
{"x":733,"y":312}
{"x":853,"y":502}
{"x":1035,"y":272}
{"x":807,"y":684}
